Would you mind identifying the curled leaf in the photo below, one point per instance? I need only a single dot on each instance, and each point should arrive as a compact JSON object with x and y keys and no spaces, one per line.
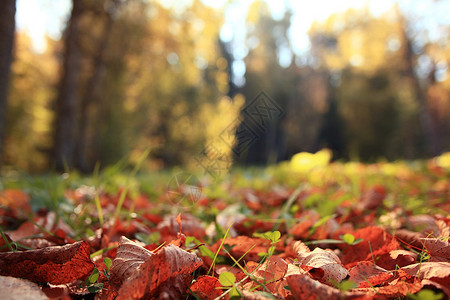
{"x":55,"y":265}
{"x":128,"y":258}
{"x":323,"y":265}
{"x":160,"y":271}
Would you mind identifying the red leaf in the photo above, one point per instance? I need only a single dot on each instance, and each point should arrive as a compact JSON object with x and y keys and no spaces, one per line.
{"x":56,"y":265}
{"x":394,"y":290}
{"x":206,"y":287}
{"x":367,"y":274}
{"x":376,"y":242}
{"x":305,"y":288}
{"x":396,"y":258}
{"x":161,"y":272}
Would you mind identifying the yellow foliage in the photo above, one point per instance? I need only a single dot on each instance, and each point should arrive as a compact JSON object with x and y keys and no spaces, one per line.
{"x":443,"y":160}
{"x":218,"y":124}
{"x":304,"y":161}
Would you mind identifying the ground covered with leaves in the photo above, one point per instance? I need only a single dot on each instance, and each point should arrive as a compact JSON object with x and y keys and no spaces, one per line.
{"x":304,"y":229}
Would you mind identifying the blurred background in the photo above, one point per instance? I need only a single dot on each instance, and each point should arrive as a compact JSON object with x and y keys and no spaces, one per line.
{"x":84,"y":82}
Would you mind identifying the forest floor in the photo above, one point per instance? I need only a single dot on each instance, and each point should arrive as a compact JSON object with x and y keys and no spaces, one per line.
{"x":304,"y":229}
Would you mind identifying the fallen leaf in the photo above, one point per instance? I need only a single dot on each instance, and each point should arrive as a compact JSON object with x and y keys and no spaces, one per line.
{"x":55,"y":265}
{"x":129,"y":257}
{"x":436,"y":271}
{"x":438,"y":249}
{"x":241,"y":245}
{"x":372,"y":198}
{"x":376,"y":242}
{"x":206,"y":288}
{"x":272,"y":274}
{"x":323,"y":265}
{"x":394,"y":290}
{"x":305,"y":288}
{"x":396,"y":259}
{"x":160,"y":269}
{"x":435,"y":285}
{"x":367,"y":274}
{"x":15,"y":288}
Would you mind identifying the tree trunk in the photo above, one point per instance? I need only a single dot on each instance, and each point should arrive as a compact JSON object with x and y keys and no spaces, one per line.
{"x":67,"y":105}
{"x":7,"y":29}
{"x":431,"y":133}
{"x":86,"y":138}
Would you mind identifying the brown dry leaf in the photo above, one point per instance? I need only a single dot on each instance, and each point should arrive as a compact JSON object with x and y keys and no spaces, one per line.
{"x":247,"y":295}
{"x":300,"y":247}
{"x":323,"y":265}
{"x":55,"y":265}
{"x":159,"y":273}
{"x":437,"y":271}
{"x":438,"y":249}
{"x":411,"y":238}
{"x":425,"y":224}
{"x":129,"y":257}
{"x":372,"y":198}
{"x":14,"y":288}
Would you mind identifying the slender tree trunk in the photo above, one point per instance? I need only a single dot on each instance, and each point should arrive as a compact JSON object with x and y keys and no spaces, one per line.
{"x":431,"y":134}
{"x":7,"y":29}
{"x":86,"y":139}
{"x":68,"y":94}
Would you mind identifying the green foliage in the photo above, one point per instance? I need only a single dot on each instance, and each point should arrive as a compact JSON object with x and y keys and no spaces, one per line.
{"x":227,"y":279}
{"x":426,"y":294}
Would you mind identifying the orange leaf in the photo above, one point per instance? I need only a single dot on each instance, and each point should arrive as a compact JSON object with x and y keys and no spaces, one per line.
{"x":272,"y":269}
{"x":376,"y":242}
{"x":55,"y":265}
{"x":206,"y":287}
{"x":367,"y":274}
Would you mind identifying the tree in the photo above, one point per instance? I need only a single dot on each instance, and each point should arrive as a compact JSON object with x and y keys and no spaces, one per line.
{"x":7,"y":29}
{"x":68,"y":95}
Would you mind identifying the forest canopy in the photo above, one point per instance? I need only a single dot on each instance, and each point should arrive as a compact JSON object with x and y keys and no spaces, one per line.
{"x":130,"y":77}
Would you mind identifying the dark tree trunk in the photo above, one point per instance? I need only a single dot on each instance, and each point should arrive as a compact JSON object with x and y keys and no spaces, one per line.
{"x":86,"y":138}
{"x":7,"y":29}
{"x":430,"y":131}
{"x":68,"y":95}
